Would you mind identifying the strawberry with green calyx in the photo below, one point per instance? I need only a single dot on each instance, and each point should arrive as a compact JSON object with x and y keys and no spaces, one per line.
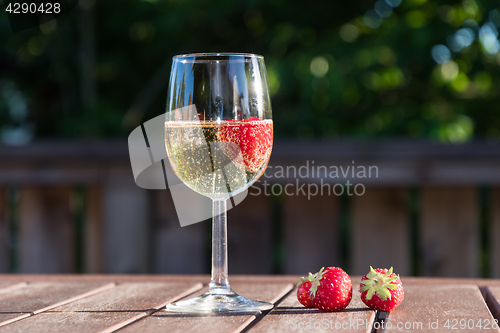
{"x":331,"y":289}
{"x":304,"y":291}
{"x":381,"y":289}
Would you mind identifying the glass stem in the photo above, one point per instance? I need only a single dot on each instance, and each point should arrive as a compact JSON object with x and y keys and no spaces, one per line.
{"x":219,"y":283}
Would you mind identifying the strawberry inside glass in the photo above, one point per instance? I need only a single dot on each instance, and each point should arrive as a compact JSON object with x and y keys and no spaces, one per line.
{"x":251,"y":142}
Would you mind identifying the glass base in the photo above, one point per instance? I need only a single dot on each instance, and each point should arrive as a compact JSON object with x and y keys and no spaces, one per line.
{"x":216,"y":302}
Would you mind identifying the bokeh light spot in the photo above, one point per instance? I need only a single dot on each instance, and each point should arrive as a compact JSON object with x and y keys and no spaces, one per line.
{"x":449,"y":70}
{"x":394,"y":3}
{"x":440,"y":54}
{"x":488,"y":37}
{"x":444,"y":13}
{"x":383,"y":8}
{"x":471,"y":24}
{"x":470,"y":7}
{"x":461,"y":82}
{"x":461,"y":39}
{"x":494,"y":17}
{"x":319,"y":66}
{"x":372,"y":19}
{"x":387,"y":57}
{"x":483,"y":81}
{"x":349,"y":32}
{"x":457,"y":131}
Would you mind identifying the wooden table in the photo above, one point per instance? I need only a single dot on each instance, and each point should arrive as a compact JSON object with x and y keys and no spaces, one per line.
{"x":109,"y":303}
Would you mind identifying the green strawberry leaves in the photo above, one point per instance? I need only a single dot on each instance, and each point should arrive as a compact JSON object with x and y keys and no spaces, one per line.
{"x":378,"y":283}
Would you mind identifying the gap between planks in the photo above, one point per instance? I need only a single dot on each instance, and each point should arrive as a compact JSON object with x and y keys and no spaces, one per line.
{"x":491,"y":302}
{"x":380,"y":316}
{"x":69,"y":300}
{"x":147,"y":313}
{"x":250,"y":322}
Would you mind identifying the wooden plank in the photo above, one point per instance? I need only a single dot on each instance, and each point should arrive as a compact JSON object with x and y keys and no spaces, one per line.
{"x":492,"y":298}
{"x":21,"y":302}
{"x":291,"y":316}
{"x":113,"y":308}
{"x":431,"y":308}
{"x":6,"y":286}
{"x":250,"y":236}
{"x":169,"y":238}
{"x":126,"y":215}
{"x":449,"y":232}
{"x":94,"y":231}
{"x":4,"y":232}
{"x":494,"y":254}
{"x":311,"y":234}
{"x":178,"y":322}
{"x":46,"y":230}
{"x":148,"y":312}
{"x":380,"y":224}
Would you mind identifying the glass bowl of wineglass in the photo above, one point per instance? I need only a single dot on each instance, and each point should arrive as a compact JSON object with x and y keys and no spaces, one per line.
{"x":219,"y":137}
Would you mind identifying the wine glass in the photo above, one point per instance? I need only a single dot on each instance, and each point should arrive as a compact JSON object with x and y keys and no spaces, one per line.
{"x":219,"y":136}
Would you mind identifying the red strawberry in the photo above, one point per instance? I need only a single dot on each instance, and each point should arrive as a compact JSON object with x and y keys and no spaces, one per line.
{"x":331,"y":289}
{"x":304,"y":291}
{"x":253,"y":137}
{"x":381,"y":289}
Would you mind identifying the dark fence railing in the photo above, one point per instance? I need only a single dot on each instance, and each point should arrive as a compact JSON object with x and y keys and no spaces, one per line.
{"x":426,"y":209}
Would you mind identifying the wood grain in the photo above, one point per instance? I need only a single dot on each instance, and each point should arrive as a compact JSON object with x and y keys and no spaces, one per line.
{"x":311,"y":233}
{"x":494,"y":233}
{"x":216,"y":323}
{"x":291,"y":316}
{"x":435,"y":305}
{"x":450,"y":232}
{"x":46,"y":230}
{"x":6,"y":286}
{"x":377,"y":216}
{"x":169,"y":239}
{"x":144,"y":314}
{"x":109,"y":309}
{"x":426,"y":300}
{"x":24,"y":301}
{"x":250,"y":236}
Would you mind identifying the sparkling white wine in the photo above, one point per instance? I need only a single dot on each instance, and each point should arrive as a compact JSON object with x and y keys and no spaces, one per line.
{"x":219,"y":159}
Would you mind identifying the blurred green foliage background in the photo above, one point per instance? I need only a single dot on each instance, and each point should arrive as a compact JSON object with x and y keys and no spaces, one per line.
{"x":385,"y":68}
